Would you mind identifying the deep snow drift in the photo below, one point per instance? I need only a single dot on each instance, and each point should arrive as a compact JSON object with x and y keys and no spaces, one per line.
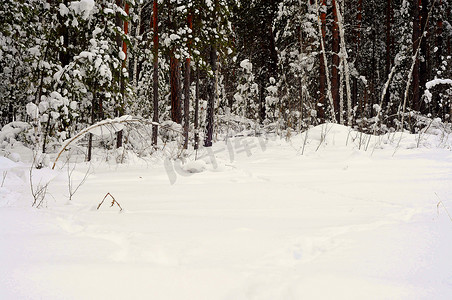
{"x":314,"y":217}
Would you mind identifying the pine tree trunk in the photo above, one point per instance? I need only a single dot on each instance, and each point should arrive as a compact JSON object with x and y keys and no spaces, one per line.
{"x":322,"y":67}
{"x":197,"y":110}
{"x":175,"y":72}
{"x":449,"y":46}
{"x":322,"y":29}
{"x":345,"y":70}
{"x":11,"y":115}
{"x":93,"y":119}
{"x":440,"y":109}
{"x":415,"y":43}
{"x":211,"y":101}
{"x":211,"y":86}
{"x":63,"y":32}
{"x":155,"y":77}
{"x":262,"y":92}
{"x":357,"y":37}
{"x":424,"y":53}
{"x":335,"y":66}
{"x":388,"y":55}
{"x":187,"y":88}
{"x":119,"y":134}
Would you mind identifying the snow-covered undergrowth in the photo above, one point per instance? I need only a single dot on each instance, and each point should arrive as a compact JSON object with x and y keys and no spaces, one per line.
{"x":327,"y":214}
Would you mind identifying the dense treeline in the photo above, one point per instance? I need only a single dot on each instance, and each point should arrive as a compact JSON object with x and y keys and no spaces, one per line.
{"x":278,"y":64}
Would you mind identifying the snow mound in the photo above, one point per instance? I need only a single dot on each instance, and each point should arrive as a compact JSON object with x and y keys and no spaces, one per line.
{"x":10,"y":132}
{"x":6,"y":164}
{"x":329,"y":133}
{"x":195,"y":166}
{"x":335,"y":136}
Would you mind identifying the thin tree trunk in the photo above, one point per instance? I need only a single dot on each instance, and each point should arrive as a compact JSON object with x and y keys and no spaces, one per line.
{"x":424,"y":53}
{"x":335,"y":66}
{"x":322,"y":44}
{"x":155,"y":87}
{"x":197,"y":110}
{"x":357,"y":37}
{"x":262,"y":105}
{"x":119,"y":134}
{"x":345,"y":66}
{"x":93,"y":120}
{"x":322,"y":68}
{"x":175,"y":89}
{"x":415,"y":44}
{"x":449,"y":45}
{"x":440,"y":109}
{"x":47,"y":132}
{"x":211,"y":101}
{"x":301,"y":79}
{"x":211,"y":86}
{"x":11,"y":114}
{"x":63,"y":31}
{"x":388,"y":45}
{"x":187,"y":87}
{"x":135,"y":57}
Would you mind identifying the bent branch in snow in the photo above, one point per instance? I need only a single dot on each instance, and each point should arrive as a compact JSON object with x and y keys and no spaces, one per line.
{"x":113,"y":125}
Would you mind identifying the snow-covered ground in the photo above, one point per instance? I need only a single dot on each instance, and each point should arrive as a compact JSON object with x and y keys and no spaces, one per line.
{"x":254,"y":218}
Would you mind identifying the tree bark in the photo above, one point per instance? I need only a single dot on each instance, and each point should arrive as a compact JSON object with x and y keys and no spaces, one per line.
{"x":120,"y":111}
{"x":357,"y":37}
{"x":187,"y":87}
{"x":440,"y":109}
{"x":93,"y":120}
{"x":449,"y":46}
{"x":197,"y":110}
{"x":175,"y":72}
{"x":415,"y":43}
{"x":388,"y":55}
{"x":424,"y":53}
{"x":211,"y":101}
{"x":63,"y":32}
{"x":155,"y":75}
{"x":322,"y":67}
{"x":335,"y":66}
{"x":345,"y":70}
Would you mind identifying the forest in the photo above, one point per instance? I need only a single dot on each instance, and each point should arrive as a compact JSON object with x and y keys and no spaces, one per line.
{"x":225,"y":149}
{"x":213,"y":66}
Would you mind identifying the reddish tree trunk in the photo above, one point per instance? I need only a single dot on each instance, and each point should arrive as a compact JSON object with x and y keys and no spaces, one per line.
{"x":122,"y":79}
{"x":126,"y":31}
{"x":335,"y":65}
{"x":322,"y":68}
{"x":197,"y":109}
{"x":155,"y":78}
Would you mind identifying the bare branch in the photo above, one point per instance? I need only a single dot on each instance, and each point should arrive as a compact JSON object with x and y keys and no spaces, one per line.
{"x":109,"y":124}
{"x":113,"y":202}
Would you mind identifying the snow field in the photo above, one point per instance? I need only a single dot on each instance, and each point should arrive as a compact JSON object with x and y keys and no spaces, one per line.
{"x":260,"y":222}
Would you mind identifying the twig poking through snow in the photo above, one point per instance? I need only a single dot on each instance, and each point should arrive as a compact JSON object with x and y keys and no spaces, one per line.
{"x":5,"y":173}
{"x":445,"y":208}
{"x":113,"y":202}
{"x":70,"y":171}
